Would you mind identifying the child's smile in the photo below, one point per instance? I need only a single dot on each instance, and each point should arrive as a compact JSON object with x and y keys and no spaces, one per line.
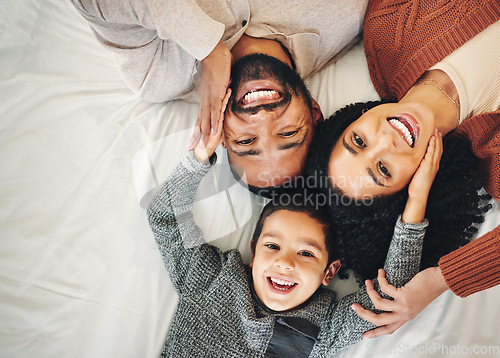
{"x":290,"y":260}
{"x":281,"y":285}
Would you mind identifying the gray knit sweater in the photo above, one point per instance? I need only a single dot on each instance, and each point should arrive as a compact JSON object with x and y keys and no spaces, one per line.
{"x":219,"y":315}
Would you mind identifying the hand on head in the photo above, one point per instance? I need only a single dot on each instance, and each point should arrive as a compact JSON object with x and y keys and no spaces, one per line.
{"x":421,"y":182}
{"x":205,"y":148}
{"x":215,"y":78}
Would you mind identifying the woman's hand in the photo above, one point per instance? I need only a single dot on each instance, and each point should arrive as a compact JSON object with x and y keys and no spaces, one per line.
{"x":215,"y":76}
{"x":408,"y":302}
{"x":421,"y":183}
{"x":204,"y":150}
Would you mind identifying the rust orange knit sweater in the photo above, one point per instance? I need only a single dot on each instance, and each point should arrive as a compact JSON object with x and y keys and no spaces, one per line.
{"x":402,"y":40}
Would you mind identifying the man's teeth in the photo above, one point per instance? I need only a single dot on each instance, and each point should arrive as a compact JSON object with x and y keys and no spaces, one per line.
{"x":255,"y":95}
{"x":282,"y":282}
{"x":402,"y":128}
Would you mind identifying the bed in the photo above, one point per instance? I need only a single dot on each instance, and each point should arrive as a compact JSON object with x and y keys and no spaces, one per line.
{"x":80,"y":274}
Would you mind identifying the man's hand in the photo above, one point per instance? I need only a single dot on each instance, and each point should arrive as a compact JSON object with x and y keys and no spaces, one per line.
{"x":408,"y":302}
{"x":204,"y":150}
{"x":421,"y":183}
{"x":215,"y":76}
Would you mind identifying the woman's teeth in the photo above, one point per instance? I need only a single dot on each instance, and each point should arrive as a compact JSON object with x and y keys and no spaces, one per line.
{"x":403,"y":130}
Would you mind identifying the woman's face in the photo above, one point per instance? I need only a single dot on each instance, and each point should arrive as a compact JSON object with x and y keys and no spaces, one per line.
{"x":379,"y":152}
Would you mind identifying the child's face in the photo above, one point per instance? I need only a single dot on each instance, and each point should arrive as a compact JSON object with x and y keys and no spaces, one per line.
{"x":289,"y":261}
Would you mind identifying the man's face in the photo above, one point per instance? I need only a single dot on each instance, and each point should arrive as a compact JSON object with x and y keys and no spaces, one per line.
{"x":379,"y":153}
{"x":268,"y":127}
{"x":289,"y":261}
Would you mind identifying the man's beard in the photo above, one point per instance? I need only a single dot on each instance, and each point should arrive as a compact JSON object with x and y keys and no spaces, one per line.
{"x":261,"y":67}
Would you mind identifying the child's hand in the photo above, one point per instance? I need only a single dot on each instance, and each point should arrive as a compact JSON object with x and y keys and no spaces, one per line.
{"x":203,"y":151}
{"x":421,"y":183}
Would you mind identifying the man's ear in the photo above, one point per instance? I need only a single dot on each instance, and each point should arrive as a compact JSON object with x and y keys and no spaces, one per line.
{"x":317,"y":114}
{"x":331,"y":271}
{"x":223,"y":142}
{"x":253,"y":252}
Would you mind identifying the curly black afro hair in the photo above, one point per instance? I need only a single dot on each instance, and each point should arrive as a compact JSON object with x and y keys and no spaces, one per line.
{"x":364,"y":229}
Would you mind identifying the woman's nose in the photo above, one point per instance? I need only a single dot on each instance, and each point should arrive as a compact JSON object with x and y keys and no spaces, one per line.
{"x":384,"y":142}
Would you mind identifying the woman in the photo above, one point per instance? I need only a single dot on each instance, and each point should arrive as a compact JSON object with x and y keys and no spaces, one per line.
{"x":438,"y":61}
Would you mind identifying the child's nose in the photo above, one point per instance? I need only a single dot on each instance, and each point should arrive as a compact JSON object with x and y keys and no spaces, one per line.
{"x":285,"y":262}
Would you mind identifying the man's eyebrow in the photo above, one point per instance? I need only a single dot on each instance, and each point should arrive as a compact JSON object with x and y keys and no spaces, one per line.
{"x":245,"y":153}
{"x":348,"y":147}
{"x":372,"y":175}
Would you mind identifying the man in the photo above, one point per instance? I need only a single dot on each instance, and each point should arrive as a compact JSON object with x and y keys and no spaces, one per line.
{"x":184,"y":49}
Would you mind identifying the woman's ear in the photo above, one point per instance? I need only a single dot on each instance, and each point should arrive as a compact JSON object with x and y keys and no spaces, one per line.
{"x":330,"y":272}
{"x":316,"y":111}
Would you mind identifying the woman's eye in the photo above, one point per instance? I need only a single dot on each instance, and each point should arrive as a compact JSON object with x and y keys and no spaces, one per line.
{"x":383,"y":170}
{"x":289,"y":134}
{"x":358,"y":142}
{"x":272,"y":246}
{"x":245,"y":141}
{"x":307,"y":253}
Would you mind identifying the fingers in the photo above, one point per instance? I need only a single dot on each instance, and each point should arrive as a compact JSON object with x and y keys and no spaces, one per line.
{"x":378,"y":319}
{"x":383,"y":330}
{"x":195,"y":137}
{"x":385,"y":286}
{"x":210,"y":116}
{"x":215,"y":112}
{"x":438,"y":151}
{"x":205,"y":119}
{"x":225,"y":101}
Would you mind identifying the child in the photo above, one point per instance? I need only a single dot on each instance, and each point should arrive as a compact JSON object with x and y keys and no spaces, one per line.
{"x":274,"y":307}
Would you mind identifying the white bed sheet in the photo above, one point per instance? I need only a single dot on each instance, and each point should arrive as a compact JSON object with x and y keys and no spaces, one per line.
{"x":80,"y":274}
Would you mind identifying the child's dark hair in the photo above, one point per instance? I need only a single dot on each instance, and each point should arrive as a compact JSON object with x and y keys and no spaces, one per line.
{"x":364,"y":230}
{"x":300,"y":200}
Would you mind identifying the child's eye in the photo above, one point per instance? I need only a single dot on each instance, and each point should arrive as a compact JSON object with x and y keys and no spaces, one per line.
{"x":357,"y":141}
{"x":272,"y":246}
{"x":306,"y":254}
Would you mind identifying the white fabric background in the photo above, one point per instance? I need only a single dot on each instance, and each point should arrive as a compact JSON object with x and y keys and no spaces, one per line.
{"x":80,"y":274}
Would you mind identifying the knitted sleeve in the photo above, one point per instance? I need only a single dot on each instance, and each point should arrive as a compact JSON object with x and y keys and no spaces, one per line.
{"x":483,"y":132}
{"x":475,"y":266}
{"x":403,"y":39}
{"x":191,"y":263}
{"x":402,"y":263}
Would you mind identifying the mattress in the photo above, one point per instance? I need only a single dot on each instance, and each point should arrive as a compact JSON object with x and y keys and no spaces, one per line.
{"x":81,"y":156}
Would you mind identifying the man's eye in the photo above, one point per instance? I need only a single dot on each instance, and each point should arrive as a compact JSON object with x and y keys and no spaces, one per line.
{"x":245,"y":141}
{"x":357,"y":141}
{"x":307,"y":253}
{"x":289,"y":134}
{"x":272,"y":246}
{"x":383,"y":170}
